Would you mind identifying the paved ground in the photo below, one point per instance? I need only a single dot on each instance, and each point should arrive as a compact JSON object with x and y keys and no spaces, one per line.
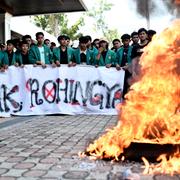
{"x":46,"y":147}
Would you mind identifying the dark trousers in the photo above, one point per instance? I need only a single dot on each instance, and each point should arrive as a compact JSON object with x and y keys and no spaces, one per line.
{"x":126,"y":84}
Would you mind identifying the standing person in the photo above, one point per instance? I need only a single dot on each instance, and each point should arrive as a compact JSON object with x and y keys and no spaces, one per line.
{"x":28,"y":39}
{"x":123,"y":57}
{"x":134,"y":38}
{"x":95,"y":45}
{"x":40,"y":54}
{"x":63,"y":54}
{"x":3,"y":64}
{"x":151,"y":33}
{"x":143,"y":37}
{"x":16,"y":43}
{"x":47,"y":42}
{"x":138,"y":50}
{"x":22,"y":57}
{"x":53,"y":45}
{"x":116,"y":45}
{"x":9,"y":54}
{"x":83,"y":55}
{"x":105,"y":56}
{"x":67,"y":41}
{"x":2,"y":47}
{"x":89,"y":43}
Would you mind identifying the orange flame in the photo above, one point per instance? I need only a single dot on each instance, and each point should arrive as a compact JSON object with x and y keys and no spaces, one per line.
{"x":151,"y":112}
{"x":165,"y":166}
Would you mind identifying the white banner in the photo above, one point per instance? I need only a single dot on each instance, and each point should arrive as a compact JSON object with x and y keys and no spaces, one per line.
{"x":64,"y":90}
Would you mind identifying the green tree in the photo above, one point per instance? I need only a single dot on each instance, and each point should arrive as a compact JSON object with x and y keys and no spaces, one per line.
{"x":57,"y":24}
{"x":98,"y":13}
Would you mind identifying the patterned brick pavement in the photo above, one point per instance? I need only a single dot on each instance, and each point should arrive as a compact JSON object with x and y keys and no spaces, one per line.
{"x":46,"y":147}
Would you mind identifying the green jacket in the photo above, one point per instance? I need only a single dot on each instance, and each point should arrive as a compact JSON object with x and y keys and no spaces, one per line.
{"x":110,"y":58}
{"x":89,"y":56}
{"x":34,"y":54}
{"x":6,"y":59}
{"x":19,"y":59}
{"x":94,"y":49}
{"x":119,"y":55}
{"x":57,"y":55}
{"x":1,"y":58}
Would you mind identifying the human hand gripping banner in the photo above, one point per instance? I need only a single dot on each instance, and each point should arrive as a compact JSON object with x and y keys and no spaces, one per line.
{"x":64,"y":90}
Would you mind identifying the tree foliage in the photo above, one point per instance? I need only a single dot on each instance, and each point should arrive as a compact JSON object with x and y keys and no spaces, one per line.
{"x":57,"y":24}
{"x":98,"y":13}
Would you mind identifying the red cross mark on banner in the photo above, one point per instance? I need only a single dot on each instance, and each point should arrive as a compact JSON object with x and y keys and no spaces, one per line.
{"x":27,"y":86}
{"x":49,"y":93}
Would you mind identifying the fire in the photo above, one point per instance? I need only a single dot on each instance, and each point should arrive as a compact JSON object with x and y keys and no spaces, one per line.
{"x":151,"y":113}
{"x":165,"y":166}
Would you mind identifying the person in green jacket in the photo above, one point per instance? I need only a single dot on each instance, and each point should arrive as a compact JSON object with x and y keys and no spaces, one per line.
{"x":123,"y":55}
{"x":123,"y":60}
{"x":22,"y":57}
{"x":63,"y":54}
{"x":83,"y":55}
{"x":2,"y":63}
{"x":9,"y":54}
{"x":105,"y":56}
{"x":40,"y":54}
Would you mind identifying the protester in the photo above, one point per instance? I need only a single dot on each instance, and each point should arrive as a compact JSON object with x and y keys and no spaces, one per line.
{"x":47,"y":42}
{"x":63,"y":54}
{"x":28,"y":39}
{"x":40,"y":54}
{"x":134,"y":38}
{"x":116,"y":45}
{"x":123,"y":60}
{"x":9,"y":54}
{"x":22,"y":56}
{"x":95,"y":45}
{"x":105,"y":56}
{"x":89,"y":43}
{"x":52,"y":46}
{"x":138,"y":50}
{"x":83,"y":55}
{"x":2,"y":47}
{"x":67,"y":41}
{"x":16,"y":43}
{"x":151,"y":33}
{"x":2,"y":61}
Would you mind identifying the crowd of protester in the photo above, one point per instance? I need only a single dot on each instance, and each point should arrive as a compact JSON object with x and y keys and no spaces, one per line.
{"x":124,"y":54}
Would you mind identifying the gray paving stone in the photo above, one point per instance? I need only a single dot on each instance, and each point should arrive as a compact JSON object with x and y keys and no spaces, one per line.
{"x":34,"y":173}
{"x":2,"y":171}
{"x":7,"y":178}
{"x":50,"y":160}
{"x":7,"y":165}
{"x":32,"y":159}
{"x":62,"y":167}
{"x":39,"y":154}
{"x":29,"y":178}
{"x":2,"y":159}
{"x":8,"y":154}
{"x":15,"y":159}
{"x":43,"y":166}
{"x":24,"y":165}
{"x":75,"y":175}
{"x":15,"y":172}
{"x":54,"y":174}
{"x":165,"y":177}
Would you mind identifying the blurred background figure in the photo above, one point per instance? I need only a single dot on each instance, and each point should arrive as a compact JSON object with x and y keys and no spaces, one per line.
{"x":151,"y":33}
{"x":2,"y":47}
{"x":47,"y":42}
{"x":116,"y":45}
{"x":52,"y":46}
{"x":134,"y":38}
